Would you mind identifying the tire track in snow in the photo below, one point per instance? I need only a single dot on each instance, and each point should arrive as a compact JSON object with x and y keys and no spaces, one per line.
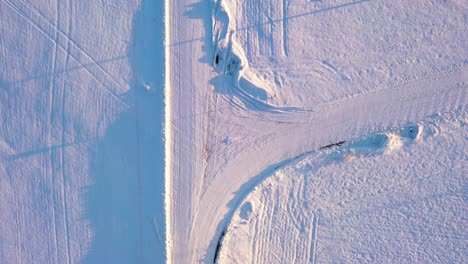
{"x":313,"y":244}
{"x":285,"y":28}
{"x":50,"y":170}
{"x":19,"y":251}
{"x":63,"y":140}
{"x":68,"y":38}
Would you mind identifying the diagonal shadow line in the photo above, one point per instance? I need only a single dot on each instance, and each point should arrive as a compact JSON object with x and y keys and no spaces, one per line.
{"x":304,"y":14}
{"x":30,"y":153}
{"x":183,"y":42}
{"x":68,"y":70}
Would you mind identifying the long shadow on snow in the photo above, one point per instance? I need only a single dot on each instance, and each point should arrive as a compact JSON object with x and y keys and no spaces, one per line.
{"x":125,"y":205}
{"x":202,"y":10}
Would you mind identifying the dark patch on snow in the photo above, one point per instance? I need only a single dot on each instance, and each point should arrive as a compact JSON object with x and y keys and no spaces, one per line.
{"x":333,"y":145}
{"x":411,"y":131}
{"x":375,"y":141}
{"x":246,"y":210}
{"x":218,"y":247}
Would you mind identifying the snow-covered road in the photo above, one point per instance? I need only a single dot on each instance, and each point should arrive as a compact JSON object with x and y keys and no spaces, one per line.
{"x":223,"y":144}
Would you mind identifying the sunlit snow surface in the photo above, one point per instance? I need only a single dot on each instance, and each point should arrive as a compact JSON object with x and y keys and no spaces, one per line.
{"x":393,"y":197}
{"x":249,"y":86}
{"x":308,"y":53}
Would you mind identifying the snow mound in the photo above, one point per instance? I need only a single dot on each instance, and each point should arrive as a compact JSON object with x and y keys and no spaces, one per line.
{"x":249,"y":90}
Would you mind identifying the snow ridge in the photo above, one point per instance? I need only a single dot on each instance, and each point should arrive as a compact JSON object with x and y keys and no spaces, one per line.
{"x":167,"y":133}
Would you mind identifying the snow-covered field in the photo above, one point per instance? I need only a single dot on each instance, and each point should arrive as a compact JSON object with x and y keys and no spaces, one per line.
{"x":81,"y":114}
{"x":392,"y":197}
{"x":193,"y":131}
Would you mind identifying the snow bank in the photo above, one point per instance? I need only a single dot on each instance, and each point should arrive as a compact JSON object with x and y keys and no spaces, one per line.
{"x":249,"y":90}
{"x":167,"y":134}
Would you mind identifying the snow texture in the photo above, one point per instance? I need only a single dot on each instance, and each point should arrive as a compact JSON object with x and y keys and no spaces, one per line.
{"x":132,"y":131}
{"x":81,"y":115}
{"x":258,"y":84}
{"x":392,"y":197}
